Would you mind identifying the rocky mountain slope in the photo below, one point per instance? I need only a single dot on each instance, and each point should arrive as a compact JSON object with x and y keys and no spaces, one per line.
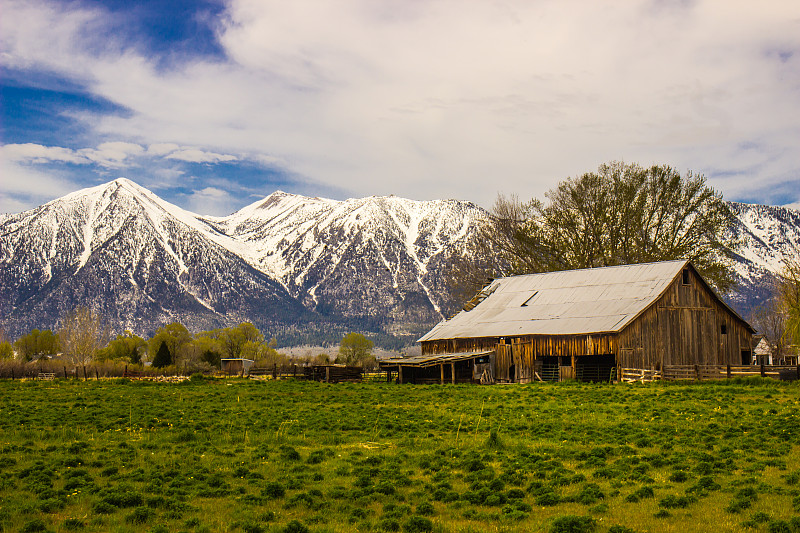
{"x":139,"y":260}
{"x":375,"y":264}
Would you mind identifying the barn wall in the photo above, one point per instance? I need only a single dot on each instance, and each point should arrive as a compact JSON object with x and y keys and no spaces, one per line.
{"x":684,"y":327}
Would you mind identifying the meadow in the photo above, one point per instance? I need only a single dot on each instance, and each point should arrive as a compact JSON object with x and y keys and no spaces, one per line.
{"x":290,"y":456}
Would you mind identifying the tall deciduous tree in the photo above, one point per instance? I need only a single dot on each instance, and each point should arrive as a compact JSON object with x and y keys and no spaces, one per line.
{"x":82,"y":334}
{"x":789,"y":295}
{"x":37,"y":343}
{"x":176,"y":337}
{"x":354,"y":349}
{"x":126,"y":347}
{"x":621,"y":214}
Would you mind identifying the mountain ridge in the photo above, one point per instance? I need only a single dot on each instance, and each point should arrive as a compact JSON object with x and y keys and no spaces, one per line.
{"x":378,"y":263}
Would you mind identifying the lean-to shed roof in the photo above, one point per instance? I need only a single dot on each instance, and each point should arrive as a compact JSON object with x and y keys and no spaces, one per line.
{"x":572,"y":302}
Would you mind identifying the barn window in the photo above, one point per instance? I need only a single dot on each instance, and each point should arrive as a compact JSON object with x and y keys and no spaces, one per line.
{"x":685,"y":276}
{"x":724,"y":329}
{"x":525,"y":303}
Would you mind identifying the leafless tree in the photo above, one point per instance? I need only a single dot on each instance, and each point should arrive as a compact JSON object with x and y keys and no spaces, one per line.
{"x":82,"y":334}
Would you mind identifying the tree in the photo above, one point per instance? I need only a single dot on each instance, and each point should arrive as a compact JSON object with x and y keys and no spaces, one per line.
{"x":6,"y":351}
{"x":163,"y":356}
{"x":621,"y":214}
{"x":234,"y":339}
{"x":37,"y":343}
{"x":176,"y":337}
{"x":789,"y":296}
{"x":354,"y":349}
{"x":82,"y":334}
{"x":126,"y":347}
{"x":769,"y":319}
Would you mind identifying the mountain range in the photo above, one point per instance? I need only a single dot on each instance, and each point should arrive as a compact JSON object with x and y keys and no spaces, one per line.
{"x":287,"y":263}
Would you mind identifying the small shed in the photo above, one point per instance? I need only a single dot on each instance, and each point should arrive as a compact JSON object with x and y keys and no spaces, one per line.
{"x":587,"y":324}
{"x":236,"y":365}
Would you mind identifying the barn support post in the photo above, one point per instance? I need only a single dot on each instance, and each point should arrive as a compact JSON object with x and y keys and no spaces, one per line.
{"x":441,"y":374}
{"x":327,"y":374}
{"x":400,"y":374}
{"x":572,"y":364}
{"x":453,"y":372}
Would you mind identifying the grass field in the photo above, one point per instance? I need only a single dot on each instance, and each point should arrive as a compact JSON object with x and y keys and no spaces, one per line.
{"x":233,"y":455}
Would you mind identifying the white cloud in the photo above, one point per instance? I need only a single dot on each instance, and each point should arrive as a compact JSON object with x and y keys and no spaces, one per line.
{"x":194,"y":155}
{"x":211,"y":201}
{"x":23,"y":187}
{"x":452,"y":98}
{"x":36,"y":153}
{"x":161,"y":149}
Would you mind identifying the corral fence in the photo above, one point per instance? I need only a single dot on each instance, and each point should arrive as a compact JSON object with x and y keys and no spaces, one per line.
{"x":325,"y":373}
{"x":705,"y":372}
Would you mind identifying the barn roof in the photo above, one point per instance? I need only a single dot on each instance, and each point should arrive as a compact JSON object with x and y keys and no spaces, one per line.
{"x":572,"y":302}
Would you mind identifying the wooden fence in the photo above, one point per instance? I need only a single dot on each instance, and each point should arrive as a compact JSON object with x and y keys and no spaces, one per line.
{"x":702,"y":372}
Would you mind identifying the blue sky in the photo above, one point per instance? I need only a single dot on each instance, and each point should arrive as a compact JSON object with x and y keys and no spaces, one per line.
{"x":214,"y":104}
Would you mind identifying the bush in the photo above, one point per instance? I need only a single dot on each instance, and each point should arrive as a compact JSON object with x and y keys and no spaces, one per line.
{"x":274,"y":490}
{"x":417,"y":524}
{"x":295,"y":526}
{"x":34,"y":526}
{"x":573,"y":524}
{"x":140,"y":515}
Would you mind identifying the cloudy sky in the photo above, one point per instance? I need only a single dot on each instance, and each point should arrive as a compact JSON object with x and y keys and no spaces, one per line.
{"x":213,"y":104}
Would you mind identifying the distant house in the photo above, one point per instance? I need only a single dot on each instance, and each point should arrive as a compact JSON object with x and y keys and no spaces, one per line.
{"x":236,"y":366}
{"x":586,"y":324}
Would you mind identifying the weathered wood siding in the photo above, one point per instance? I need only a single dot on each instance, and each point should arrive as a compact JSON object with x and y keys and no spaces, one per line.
{"x":684,"y":327}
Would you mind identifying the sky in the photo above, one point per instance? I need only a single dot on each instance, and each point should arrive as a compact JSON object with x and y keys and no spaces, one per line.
{"x":215,"y":104}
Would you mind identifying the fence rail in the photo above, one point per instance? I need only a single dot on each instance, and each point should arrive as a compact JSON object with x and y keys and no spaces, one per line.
{"x":704,"y":372}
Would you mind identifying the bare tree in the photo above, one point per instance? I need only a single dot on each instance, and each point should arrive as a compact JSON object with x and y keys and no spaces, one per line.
{"x":789,"y":294}
{"x":82,"y":334}
{"x":769,"y":319}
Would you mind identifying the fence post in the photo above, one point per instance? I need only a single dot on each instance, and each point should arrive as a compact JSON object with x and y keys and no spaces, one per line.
{"x":84,"y":373}
{"x":12,"y":373}
{"x":697,"y":372}
{"x":96,"y":374}
{"x":763,"y":373}
{"x":274,"y":370}
{"x":728,"y":371}
{"x":125,"y":372}
{"x":65,"y":372}
{"x":294,"y":371}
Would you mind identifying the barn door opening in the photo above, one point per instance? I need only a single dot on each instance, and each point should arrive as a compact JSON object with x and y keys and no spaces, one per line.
{"x":595,"y":367}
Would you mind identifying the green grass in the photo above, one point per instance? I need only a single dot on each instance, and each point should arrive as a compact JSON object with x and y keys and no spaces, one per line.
{"x":208,"y":455}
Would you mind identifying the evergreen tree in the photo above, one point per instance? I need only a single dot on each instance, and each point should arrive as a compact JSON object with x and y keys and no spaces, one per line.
{"x":163,"y":357}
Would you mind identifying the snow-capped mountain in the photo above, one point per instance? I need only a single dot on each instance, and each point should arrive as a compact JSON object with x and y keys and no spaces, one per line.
{"x":378,"y":264}
{"x":768,"y":236}
{"x":139,"y":260}
{"x":378,"y":257}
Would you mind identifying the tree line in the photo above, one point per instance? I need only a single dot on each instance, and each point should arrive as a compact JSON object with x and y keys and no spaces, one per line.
{"x":83,"y":338}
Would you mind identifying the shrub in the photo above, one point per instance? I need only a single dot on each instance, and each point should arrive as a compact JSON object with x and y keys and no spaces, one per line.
{"x":34,"y":526}
{"x":573,"y":524}
{"x":417,"y":524}
{"x":589,"y":494}
{"x":779,"y":526}
{"x":295,"y":526}
{"x":426,"y":509}
{"x":140,"y":515}
{"x":274,"y":490}
{"x":389,"y":524}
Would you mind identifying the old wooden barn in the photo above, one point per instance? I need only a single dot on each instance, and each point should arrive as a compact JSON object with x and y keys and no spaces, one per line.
{"x":587,"y":324}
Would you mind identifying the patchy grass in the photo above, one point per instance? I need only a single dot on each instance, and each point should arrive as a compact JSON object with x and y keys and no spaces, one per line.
{"x":214,"y":455}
